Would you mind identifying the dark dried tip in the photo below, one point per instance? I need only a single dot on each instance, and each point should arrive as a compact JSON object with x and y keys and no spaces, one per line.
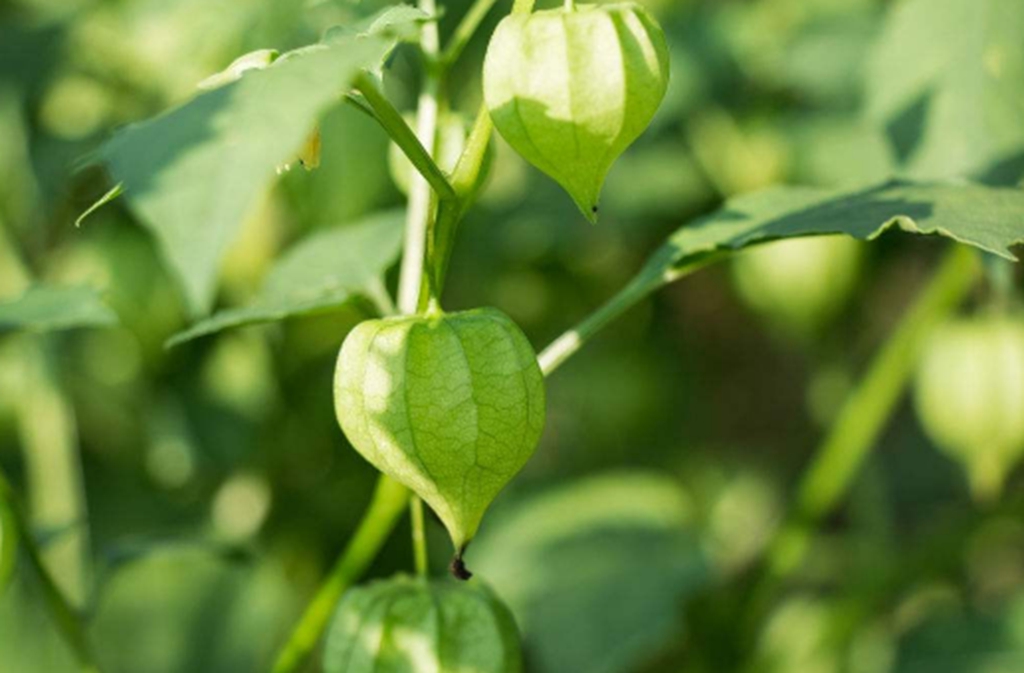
{"x":458,"y":569}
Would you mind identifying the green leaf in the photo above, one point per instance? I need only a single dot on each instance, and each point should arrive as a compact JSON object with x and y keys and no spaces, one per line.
{"x":947,"y":81}
{"x":185,"y":609}
{"x":401,"y":22}
{"x":965,"y":641}
{"x":596,"y":571}
{"x":988,"y":218}
{"x":321,"y":272}
{"x":193,"y":174}
{"x":254,"y":60}
{"x":43,"y":308}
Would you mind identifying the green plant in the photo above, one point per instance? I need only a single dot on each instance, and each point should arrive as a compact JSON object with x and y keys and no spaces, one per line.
{"x":450,"y":406}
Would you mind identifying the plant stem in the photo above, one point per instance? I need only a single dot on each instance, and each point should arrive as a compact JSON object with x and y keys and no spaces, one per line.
{"x":471,"y":20}
{"x":403,"y":136}
{"x":419,"y":213}
{"x":388,"y":504}
{"x":419,"y":537}
{"x":861,"y":420}
{"x":56,"y":492}
{"x":390,"y":497}
{"x":67,"y":619}
{"x":441,"y":234}
{"x":565,"y":346}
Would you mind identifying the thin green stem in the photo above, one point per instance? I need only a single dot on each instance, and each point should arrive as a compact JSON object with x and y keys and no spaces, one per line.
{"x":565,"y":346}
{"x":67,"y":619}
{"x":419,"y":537}
{"x":389,"y":502}
{"x":53,"y":468}
{"x":465,"y":177}
{"x":464,"y":32}
{"x":440,"y":236}
{"x":420,"y":211}
{"x":391,"y":119}
{"x":839,"y":458}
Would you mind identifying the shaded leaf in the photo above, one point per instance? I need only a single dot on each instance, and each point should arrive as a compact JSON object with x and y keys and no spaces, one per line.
{"x":189,"y":610}
{"x":947,"y":82}
{"x":595,"y":571}
{"x":321,"y":272}
{"x":43,"y":309}
{"x":965,"y":642}
{"x":193,"y":174}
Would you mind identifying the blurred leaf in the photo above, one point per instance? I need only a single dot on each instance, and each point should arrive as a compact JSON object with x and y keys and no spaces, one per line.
{"x":596,"y":571}
{"x":947,"y":81}
{"x":986,"y":217}
{"x":254,"y":60}
{"x":401,"y":22}
{"x":194,"y":173}
{"x":46,"y":308}
{"x":966,"y":642}
{"x":342,"y":191}
{"x":322,"y":272}
{"x":187,"y":610}
{"x":118,"y":556}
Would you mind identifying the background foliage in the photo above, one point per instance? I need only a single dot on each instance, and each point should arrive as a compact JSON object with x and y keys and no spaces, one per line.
{"x":217,"y":486}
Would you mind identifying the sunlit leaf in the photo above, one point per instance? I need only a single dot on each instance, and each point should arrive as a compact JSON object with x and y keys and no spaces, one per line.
{"x":321,"y":272}
{"x":595,"y":572}
{"x":46,"y":308}
{"x":947,"y":82}
{"x":193,"y":174}
{"x":988,"y":218}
